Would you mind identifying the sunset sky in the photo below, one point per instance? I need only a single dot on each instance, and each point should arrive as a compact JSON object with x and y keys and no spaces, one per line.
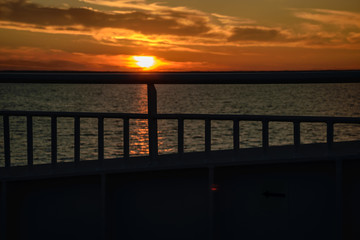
{"x":186,"y":35}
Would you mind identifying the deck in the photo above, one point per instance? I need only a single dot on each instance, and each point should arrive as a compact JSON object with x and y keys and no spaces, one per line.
{"x":307,"y":153}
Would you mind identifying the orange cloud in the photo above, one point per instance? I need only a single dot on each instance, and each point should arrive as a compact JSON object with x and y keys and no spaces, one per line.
{"x":39,"y":59}
{"x":354,"y":37}
{"x":84,"y":19}
{"x":329,"y":28}
{"x":256,"y":34}
{"x":137,"y":23}
{"x":325,"y":16}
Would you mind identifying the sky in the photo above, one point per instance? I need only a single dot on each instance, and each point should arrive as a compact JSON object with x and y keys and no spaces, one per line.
{"x":182,"y":35}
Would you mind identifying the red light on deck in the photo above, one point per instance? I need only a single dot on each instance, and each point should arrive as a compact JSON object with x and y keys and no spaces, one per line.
{"x":214,"y":187}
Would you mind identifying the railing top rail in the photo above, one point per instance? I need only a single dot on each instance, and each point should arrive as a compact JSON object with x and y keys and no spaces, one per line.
{"x":274,"y":118}
{"x":275,"y":77}
{"x":74,"y":114}
{"x":186,"y":116}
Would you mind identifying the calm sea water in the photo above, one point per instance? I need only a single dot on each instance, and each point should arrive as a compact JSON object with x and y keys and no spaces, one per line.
{"x":302,"y":99}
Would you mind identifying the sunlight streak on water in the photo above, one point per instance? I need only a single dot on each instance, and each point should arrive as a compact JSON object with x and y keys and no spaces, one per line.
{"x":139,"y":142}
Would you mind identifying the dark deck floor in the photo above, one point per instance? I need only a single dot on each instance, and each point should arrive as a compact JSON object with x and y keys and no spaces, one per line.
{"x":249,"y":156}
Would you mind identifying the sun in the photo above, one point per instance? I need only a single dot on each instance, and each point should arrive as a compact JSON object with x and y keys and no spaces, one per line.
{"x":145,"y":62}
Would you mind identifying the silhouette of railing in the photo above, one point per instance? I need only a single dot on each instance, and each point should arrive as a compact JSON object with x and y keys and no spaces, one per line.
{"x":153,"y":138}
{"x":152,"y":116}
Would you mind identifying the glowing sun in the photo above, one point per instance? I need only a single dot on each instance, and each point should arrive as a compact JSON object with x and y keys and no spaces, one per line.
{"x":145,"y":62}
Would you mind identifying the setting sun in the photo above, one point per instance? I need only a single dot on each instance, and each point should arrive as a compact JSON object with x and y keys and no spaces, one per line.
{"x":145,"y":62}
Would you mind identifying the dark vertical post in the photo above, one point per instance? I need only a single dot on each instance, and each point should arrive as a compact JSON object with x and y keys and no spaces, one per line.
{"x":265,"y":135}
{"x":29,"y":127}
{"x":103,"y":192}
{"x":53,"y":140}
{"x":297,"y":135}
{"x":126,"y":138}
{"x":152,"y":121}
{"x":6,"y":140}
{"x":211,"y":203}
{"x":180,"y":135}
{"x":3,"y":218}
{"x":339,"y":199}
{"x":77,"y":139}
{"x":236,"y":138}
{"x":101,"y":138}
{"x":330,"y":135}
{"x":207,"y":135}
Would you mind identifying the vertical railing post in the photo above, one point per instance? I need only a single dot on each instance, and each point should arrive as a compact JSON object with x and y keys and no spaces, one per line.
{"x":207,"y":135}
{"x":236,"y":136}
{"x":29,"y":129}
{"x":126,"y":138}
{"x":101,"y":139}
{"x":297,"y":135}
{"x":6,"y":140}
{"x":330,"y":135}
{"x":77,"y":139}
{"x":180,"y":135}
{"x":53,"y":140}
{"x":152,"y":120}
{"x":265,"y":135}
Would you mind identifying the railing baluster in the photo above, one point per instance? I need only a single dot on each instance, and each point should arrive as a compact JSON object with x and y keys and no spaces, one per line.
{"x":207,"y":135}
{"x":330,"y":135}
{"x":6,"y":140}
{"x":101,"y":138}
{"x":265,"y":135}
{"x":53,"y":140}
{"x":77,"y":139}
{"x":296,"y":135}
{"x":152,"y":121}
{"x":180,"y":135}
{"x":236,"y":136}
{"x":126,"y":138}
{"x":30,"y":151}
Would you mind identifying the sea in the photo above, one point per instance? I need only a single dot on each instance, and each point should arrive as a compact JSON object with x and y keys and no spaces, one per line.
{"x":333,"y":99}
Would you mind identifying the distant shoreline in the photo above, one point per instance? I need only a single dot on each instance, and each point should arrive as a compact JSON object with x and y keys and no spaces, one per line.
{"x":250,"y":77}
{"x":160,"y":72}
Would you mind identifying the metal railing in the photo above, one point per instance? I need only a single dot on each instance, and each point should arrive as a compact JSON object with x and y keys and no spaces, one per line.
{"x":152,"y":116}
{"x":152,"y":125}
{"x":54,"y":117}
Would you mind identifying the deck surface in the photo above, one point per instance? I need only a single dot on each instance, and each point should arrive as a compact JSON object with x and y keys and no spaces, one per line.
{"x":249,"y":156}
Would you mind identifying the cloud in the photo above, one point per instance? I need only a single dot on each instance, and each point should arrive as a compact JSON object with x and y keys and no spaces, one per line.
{"x":138,"y":22}
{"x":127,"y":4}
{"x":329,"y":28}
{"x":354,"y":37}
{"x":256,"y":34}
{"x":231,"y":21}
{"x":183,"y":23}
{"x":331,"y":17}
{"x":38,"y":59}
